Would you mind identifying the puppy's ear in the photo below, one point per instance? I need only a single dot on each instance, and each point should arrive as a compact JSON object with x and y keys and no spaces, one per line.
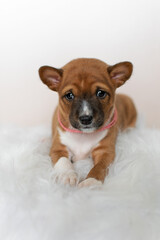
{"x":51,"y":77}
{"x":120,"y":73}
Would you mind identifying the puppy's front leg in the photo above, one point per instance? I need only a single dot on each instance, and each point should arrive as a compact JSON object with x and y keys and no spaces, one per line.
{"x":97,"y":174}
{"x":64,"y":172}
{"x":103,"y":156}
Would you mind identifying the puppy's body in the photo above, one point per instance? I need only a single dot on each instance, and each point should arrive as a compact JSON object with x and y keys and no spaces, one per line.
{"x":90,"y":109}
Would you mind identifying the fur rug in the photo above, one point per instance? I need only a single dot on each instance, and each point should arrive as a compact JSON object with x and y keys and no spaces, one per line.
{"x":33,"y":207}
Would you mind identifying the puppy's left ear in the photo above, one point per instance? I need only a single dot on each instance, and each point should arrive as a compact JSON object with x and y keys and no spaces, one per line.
{"x":51,"y":77}
{"x":120,"y":73}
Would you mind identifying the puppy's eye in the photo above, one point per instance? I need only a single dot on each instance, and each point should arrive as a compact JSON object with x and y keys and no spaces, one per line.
{"x":69,"y":96}
{"x":101,"y":94}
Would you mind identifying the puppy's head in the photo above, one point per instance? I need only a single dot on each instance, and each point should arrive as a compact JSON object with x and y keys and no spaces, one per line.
{"x":86,"y":89}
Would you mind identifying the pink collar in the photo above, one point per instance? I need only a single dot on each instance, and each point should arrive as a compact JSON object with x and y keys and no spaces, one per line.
{"x":111,"y":124}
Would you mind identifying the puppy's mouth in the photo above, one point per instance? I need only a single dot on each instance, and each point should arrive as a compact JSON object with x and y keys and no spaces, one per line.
{"x":87,"y":128}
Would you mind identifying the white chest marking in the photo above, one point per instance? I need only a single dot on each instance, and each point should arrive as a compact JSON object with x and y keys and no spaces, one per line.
{"x":80,"y":145}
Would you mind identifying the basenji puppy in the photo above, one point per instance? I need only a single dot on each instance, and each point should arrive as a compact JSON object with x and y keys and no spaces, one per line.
{"x":88,"y":117}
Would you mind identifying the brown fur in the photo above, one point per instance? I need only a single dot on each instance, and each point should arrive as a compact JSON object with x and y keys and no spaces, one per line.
{"x":83,"y":76}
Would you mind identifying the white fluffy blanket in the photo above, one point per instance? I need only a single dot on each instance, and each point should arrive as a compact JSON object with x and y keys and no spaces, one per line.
{"x":32,"y":207}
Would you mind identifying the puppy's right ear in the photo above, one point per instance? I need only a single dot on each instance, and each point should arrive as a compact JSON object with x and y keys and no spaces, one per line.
{"x":51,"y":77}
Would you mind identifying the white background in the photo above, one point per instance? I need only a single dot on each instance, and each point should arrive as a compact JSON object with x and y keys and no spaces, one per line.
{"x":36,"y":33}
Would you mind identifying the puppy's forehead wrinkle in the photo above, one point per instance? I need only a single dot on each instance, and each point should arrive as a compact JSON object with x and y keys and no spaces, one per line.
{"x":81,"y":79}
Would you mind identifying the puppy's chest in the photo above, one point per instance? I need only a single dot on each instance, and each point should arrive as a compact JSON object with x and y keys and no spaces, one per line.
{"x":80,"y":145}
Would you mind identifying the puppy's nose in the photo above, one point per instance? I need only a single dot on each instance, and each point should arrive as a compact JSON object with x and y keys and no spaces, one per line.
{"x":86,"y":119}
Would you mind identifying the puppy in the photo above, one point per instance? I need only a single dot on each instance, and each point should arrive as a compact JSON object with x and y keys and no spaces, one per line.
{"x":88,"y":117}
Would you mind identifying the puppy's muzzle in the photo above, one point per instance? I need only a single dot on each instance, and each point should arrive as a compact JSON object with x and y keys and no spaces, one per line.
{"x":86,"y":119}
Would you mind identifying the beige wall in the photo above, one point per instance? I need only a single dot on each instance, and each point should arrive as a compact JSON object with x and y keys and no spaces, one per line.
{"x":35,"y":33}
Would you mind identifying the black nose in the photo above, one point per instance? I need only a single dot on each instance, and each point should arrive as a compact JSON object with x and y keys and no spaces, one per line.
{"x":86,"y":119}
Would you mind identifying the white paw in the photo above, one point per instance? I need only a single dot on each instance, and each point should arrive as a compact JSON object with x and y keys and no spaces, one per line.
{"x":64,"y":172}
{"x":90,"y":182}
{"x":69,"y":177}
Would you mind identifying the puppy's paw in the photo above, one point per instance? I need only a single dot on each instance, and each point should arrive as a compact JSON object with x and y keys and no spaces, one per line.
{"x":90,"y":182}
{"x":64,"y":172}
{"x":69,"y":177}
